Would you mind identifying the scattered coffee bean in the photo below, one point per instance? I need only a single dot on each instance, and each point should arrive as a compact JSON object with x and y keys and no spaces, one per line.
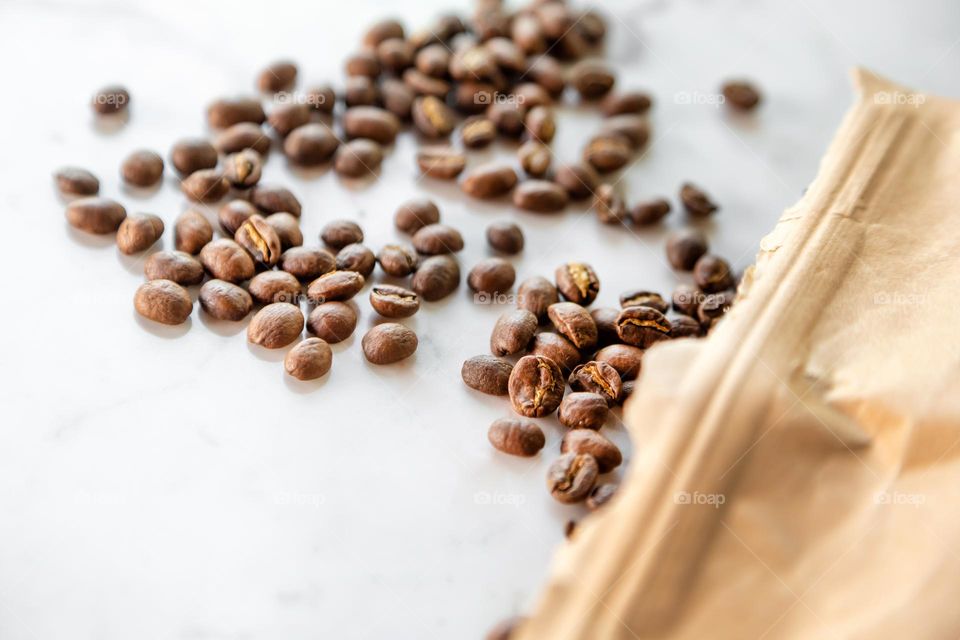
{"x":358,"y":158}
{"x":416,"y":214}
{"x":527,"y":34}
{"x":649,"y":213}
{"x":138,"y":232}
{"x":714,"y":307}
{"x":473,"y":63}
{"x":625,"y":358}
{"x":321,"y":99}
{"x":609,"y":206}
{"x":592,"y":26}
{"x":592,"y":79}
{"x":333,"y":321}
{"x":243,"y":135}
{"x":540,"y":195}
{"x":432,"y":117}
{"x":287,"y":118}
{"x":641,"y":298}
{"x":632,"y":128}
{"x":276,"y":325}
{"x":433,"y":60}
{"x":516,"y":436}
{"x":472,"y":97}
{"x":478,"y":132}
{"x":617,"y":104}
{"x":642,"y":326}
{"x":340,"y":233}
{"x":627,"y":391}
{"x":686,"y":299}
{"x":163,"y":301}
{"x":268,"y":287}
{"x":442,"y":163}
{"x":506,"y":116}
{"x":193,"y":154}
{"x":571,"y":477}
{"x":685,"y":247}
{"x":397,"y":98}
{"x":110,"y":100}
{"x":307,"y":263}
{"x":278,"y":76}
{"x":597,"y":377}
{"x":398,"y":260}
{"x":361,"y":91}
{"x":508,"y":56}
{"x":583,"y":410}
{"x":287,"y":228}
{"x":225,"y":301}
{"x":273,"y":199}
{"x":607,"y":152}
{"x":192,"y":231}
{"x":489,"y":180}
{"x":243,"y":169}
{"x":741,"y":95}
{"x":535,"y":386}
{"x":335,"y":285}
{"x":601,"y":495}
{"x":540,"y":124}
{"x":363,"y":64}
{"x":395,"y":55}
{"x":586,"y":441}
{"x":233,"y":214}
{"x":696,"y":201}
{"x":546,"y":71}
{"x":532,"y":95}
{"x":577,"y":282}
{"x":74,"y":181}
{"x":227,"y":260}
{"x":437,"y":239}
{"x":142,"y":168}
{"x":382,"y":30}
{"x":388,"y":343}
{"x":579,"y":181}
{"x":606,"y":320}
{"x":557,"y":348}
{"x":536,"y":294}
{"x":505,"y":237}
{"x":227,"y":112}
{"x":310,"y":145}
{"x":535,"y":158}
{"x":436,"y":278}
{"x":685,"y":326}
{"x":205,"y":185}
{"x":487,"y":374}
{"x":260,"y":240}
{"x":512,"y":332}
{"x":309,"y":360}
{"x":371,"y":122}
{"x":712,"y":274}
{"x":574,"y":323}
{"x":175,"y":266}
{"x":491,"y":276}
{"x":96,"y":215}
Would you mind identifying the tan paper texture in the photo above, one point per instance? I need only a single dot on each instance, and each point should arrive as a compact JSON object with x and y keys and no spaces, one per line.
{"x":797,"y":473}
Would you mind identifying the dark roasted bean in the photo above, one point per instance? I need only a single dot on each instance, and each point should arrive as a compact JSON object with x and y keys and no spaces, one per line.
{"x":142,"y":168}
{"x":227,"y":260}
{"x":597,"y":377}
{"x":540,"y":195}
{"x":527,"y":34}
{"x":489,"y":180}
{"x":110,"y":100}
{"x":436,"y":278}
{"x":74,"y":181}
{"x":557,"y":348}
{"x":376,"y":124}
{"x":685,"y":247}
{"x":398,"y":260}
{"x":714,"y":307}
{"x":423,"y":85}
{"x":416,"y":214}
{"x":478,"y":132}
{"x":437,"y":239}
{"x":205,"y":185}
{"x":260,"y":240}
{"x":507,"y":116}
{"x":335,"y":285}
{"x":505,"y":237}
{"x":535,"y":158}
{"x":634,"y":129}
{"x":382,"y":30}
{"x":227,"y":112}
{"x":609,"y":205}
{"x":473,"y":97}
{"x":686,"y":298}
{"x":592,"y":79}
{"x":574,"y":323}
{"x":540,"y":124}
{"x":432,"y":117}
{"x":577,"y":282}
{"x":696,"y":201}
{"x":397,"y":98}
{"x":271,"y":199}
{"x":391,"y":301}
{"x":536,"y":386}
{"x":225,"y":301}
{"x":685,"y":326}
{"x":192,"y":231}
{"x":287,"y":118}
{"x":606,"y":453}
{"x":321,"y":98}
{"x":276,"y":325}
{"x":358,"y":158}
{"x":617,"y":104}
{"x":192,"y":154}
{"x":508,"y":56}
{"x":333,"y":321}
{"x":176,"y":266}
{"x":395,"y":55}
{"x":491,"y":276}
{"x":356,"y":257}
{"x":546,"y":71}
{"x":648,"y":213}
{"x":606,"y":321}
{"x":361,"y":91}
{"x":607,"y":152}
{"x":433,"y":60}
{"x":642,"y":326}
{"x":625,"y":358}
{"x":579,"y":181}
{"x":243,"y":135}
{"x":287,"y":228}
{"x":309,"y":360}
{"x":712,"y":274}
{"x":388,"y":343}
{"x":512,"y":332}
{"x":307,"y":263}
{"x":138,"y":232}
{"x":516,"y":436}
{"x":583,"y":410}
{"x":442,"y":163}
{"x":362,"y":64}
{"x":310,"y":145}
{"x":487,"y":374}
{"x":741,"y":95}
{"x":642,"y":298}
{"x":340,"y":233}
{"x":571,"y":477}
{"x":536,"y":294}
{"x":163,"y":301}
{"x":278,"y":76}
{"x":275,"y":286}
{"x":234,"y":213}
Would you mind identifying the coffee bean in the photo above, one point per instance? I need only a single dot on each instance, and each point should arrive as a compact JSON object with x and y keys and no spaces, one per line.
{"x":583,"y":410}
{"x":478,"y":132}
{"x":333,"y":321}
{"x":163,"y":301}
{"x":260,"y":240}
{"x":436,"y":278}
{"x":340,"y":233}
{"x":138,"y":232}
{"x":307,"y":263}
{"x":642,"y":298}
{"x":609,"y":206}
{"x":577,"y":282}
{"x":474,"y":63}
{"x":574,"y":323}
{"x":597,"y":377}
{"x":505,"y":237}
{"x":362,"y":64}
{"x":712,"y":274}
{"x":472,"y":97}
{"x":287,"y":228}
{"x":516,"y":436}
{"x":696,"y":201}
{"x":686,"y":299}
{"x":433,"y":60}
{"x":642,"y":326}
{"x":540,"y":124}
{"x":272,"y":199}
{"x":507,"y":116}
{"x":714,"y":307}
{"x":321,"y":99}
{"x":571,"y":477}
{"x":442,"y":163}
{"x":579,"y":181}
{"x":532,"y":95}
{"x":382,"y":30}
{"x":335,"y":285}
{"x":592,"y":26}
{"x":740,"y":95}
{"x":393,"y":302}
{"x":388,"y":343}
{"x":268,"y":287}
{"x":546,"y":71}
{"x":371,"y":122}
{"x":634,"y":129}
{"x":243,"y":135}
{"x":634,"y":102}
{"x":361,"y":91}
{"x":432,"y":117}
{"x":175,"y":266}
{"x":74,"y":181}
{"x":287,"y":118}
{"x":606,"y":320}
{"x":592,"y":79}
{"x":607,"y":152}
{"x":398,"y":260}
{"x":193,"y":154}
{"x":541,"y":196}
{"x":192,"y":232}
{"x":310,"y":145}
{"x":557,"y":348}
{"x":685,"y":326}
{"x":276,"y":325}
{"x":233,"y":214}
{"x":627,"y":391}
{"x":110,"y":100}
{"x":625,"y":358}
{"x":395,"y":55}
{"x":309,"y":360}
{"x":142,"y":168}
{"x":527,"y":34}
{"x":491,"y":276}
{"x":227,"y":112}
{"x":437,"y":239}
{"x":358,"y":158}
{"x":601,"y":495}
{"x":423,"y":85}
{"x":225,"y":301}
{"x":487,"y":374}
{"x":535,"y":158}
{"x":397,"y":98}
{"x":685,"y":247}
{"x":586,"y":441}
{"x":507,"y":55}
{"x":536,"y":386}
{"x":356,"y":257}
{"x":243,"y":169}
{"x":205,"y":185}
{"x":512,"y":332}
{"x":555,"y":19}
{"x":278,"y":76}
{"x":649,"y":213}
{"x":227,"y":260}
{"x":536,"y":294}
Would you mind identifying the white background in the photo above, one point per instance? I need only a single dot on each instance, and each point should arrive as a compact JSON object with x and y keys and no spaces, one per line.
{"x":174,"y":483}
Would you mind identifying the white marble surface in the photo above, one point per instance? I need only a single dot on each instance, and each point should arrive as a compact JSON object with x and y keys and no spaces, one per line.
{"x":174,"y":483}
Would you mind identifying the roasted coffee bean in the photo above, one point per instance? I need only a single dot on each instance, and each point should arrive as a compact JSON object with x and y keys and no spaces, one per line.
{"x":491,"y":276}
{"x":358,"y":158}
{"x":321,"y":98}
{"x":397,"y":98}
{"x":627,"y":391}
{"x":536,"y":386}
{"x":473,"y":63}
{"x":685,"y":326}
{"x":332,"y":321}
{"x":398,"y":260}
{"x":714,"y":307}
{"x":490,"y":21}
{"x":607,"y":152}
{"x":356,"y":257}
{"x":516,"y":436}
{"x":382,"y":30}
{"x":227,"y":260}
{"x":606,"y":320}
{"x":642,"y":326}
{"x":487,"y":374}
{"x":138,"y":232}
{"x":592,"y":79}
{"x":508,"y":56}
{"x":193,"y":154}
{"x":609,"y":206}
{"x":110,"y":100}
{"x":361,"y":91}
{"x":340,"y":233}
{"x":712,"y":274}
{"x":260,"y":240}
{"x":582,"y":441}
{"x":74,"y":181}
{"x":583,"y":410}
{"x":642,"y":298}
{"x":205,"y":185}
{"x":601,"y":495}
{"x":649,"y":213}
{"x":546,"y":71}
{"x":512,"y":332}
{"x":507,"y":116}
{"x":192,"y":232}
{"x":433,"y":60}
{"x":741,"y":95}
{"x":686,"y":299}
{"x":555,"y":19}
{"x":310,"y":145}
{"x":437,"y":239}
{"x":696,"y":201}
{"x":536,"y":294}
{"x":243,"y":169}
{"x":307,"y":263}
{"x":287,"y":228}
{"x":287,"y":118}
{"x":227,"y":112}
{"x":335,"y":285}
{"x":597,"y":377}
{"x":634,"y":129}
{"x":432,"y":117}
{"x":309,"y":360}
{"x":577,"y":282}
{"x":617,"y":104}
{"x":505,"y":237}
{"x":574,"y":323}
{"x":363,"y":64}
{"x":243,"y":135}
{"x":234,"y":213}
{"x":371,"y":122}
{"x":472,"y":97}
{"x":424,"y":85}
{"x":394,"y":302}
{"x":571,"y":477}
{"x":278,"y":76}
{"x":540,"y":196}
{"x":532,"y":95}
{"x":142,"y":168}
{"x":388,"y":343}
{"x":540,"y":124}
{"x":491,"y":180}
{"x":225,"y":301}
{"x":557,"y":348}
{"x":478,"y":132}
{"x":535,"y":158}
{"x":685,"y":247}
{"x":272,"y":199}
{"x":579,"y":181}
{"x":527,"y":34}
{"x":175,"y":266}
{"x":268,"y":287}
{"x":276,"y":325}
{"x":163,"y":301}
{"x":436,"y":278}
{"x":442,"y":163}
{"x":592,"y":26}
{"x":625,"y":358}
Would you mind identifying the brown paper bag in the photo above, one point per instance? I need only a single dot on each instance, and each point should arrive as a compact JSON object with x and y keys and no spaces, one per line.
{"x":797,"y":473}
